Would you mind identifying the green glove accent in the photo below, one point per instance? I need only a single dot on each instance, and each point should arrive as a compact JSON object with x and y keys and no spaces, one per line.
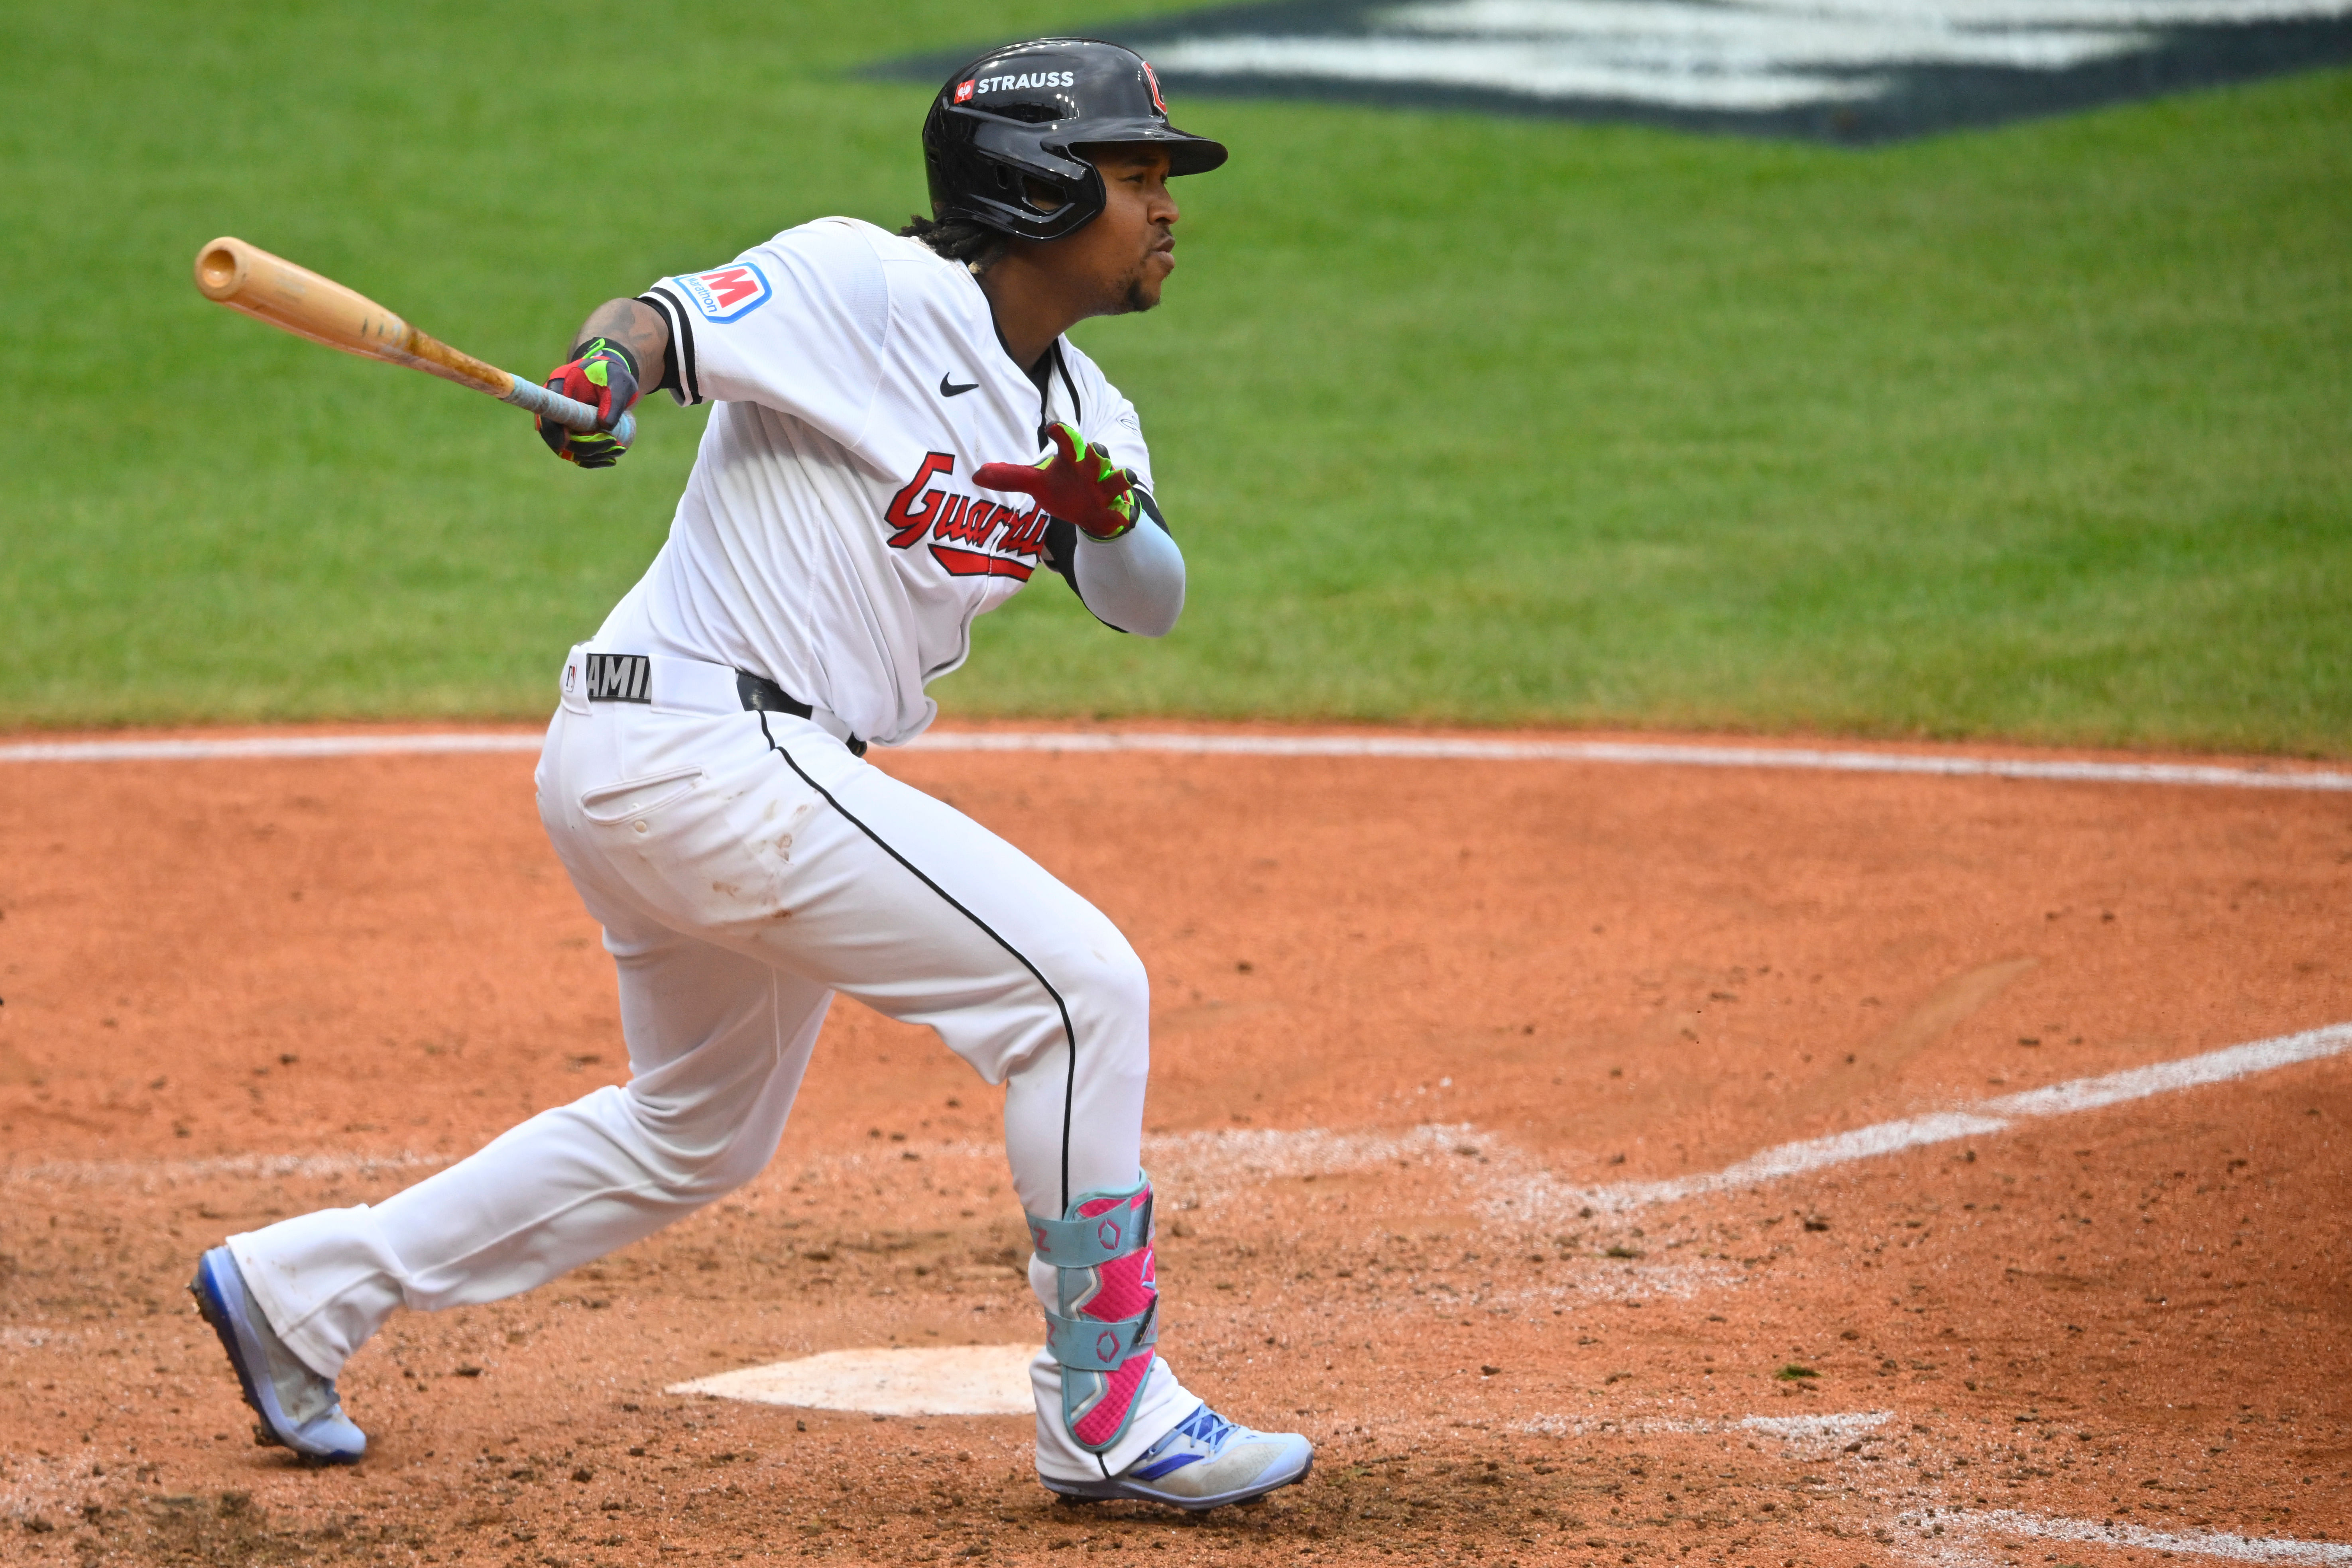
{"x":1076,"y":482}
{"x":602,"y":374}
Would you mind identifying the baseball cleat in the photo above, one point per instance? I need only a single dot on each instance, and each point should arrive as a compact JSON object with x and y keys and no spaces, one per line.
{"x":298,"y":1408}
{"x":1206,"y":1462}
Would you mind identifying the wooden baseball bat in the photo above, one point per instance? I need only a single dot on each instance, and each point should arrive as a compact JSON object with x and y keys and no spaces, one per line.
{"x":295,"y":299}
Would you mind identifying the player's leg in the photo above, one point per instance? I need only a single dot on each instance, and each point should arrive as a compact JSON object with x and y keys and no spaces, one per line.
{"x":717,"y":1043}
{"x":788,"y":854}
{"x":904,"y":902}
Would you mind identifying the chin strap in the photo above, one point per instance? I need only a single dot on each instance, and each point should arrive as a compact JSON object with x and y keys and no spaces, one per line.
{"x":1108,"y":1320}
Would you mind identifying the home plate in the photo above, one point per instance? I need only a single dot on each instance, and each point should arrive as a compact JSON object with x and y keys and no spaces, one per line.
{"x":951,"y":1380}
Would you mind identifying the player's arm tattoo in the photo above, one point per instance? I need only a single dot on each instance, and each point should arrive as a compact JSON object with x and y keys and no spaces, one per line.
{"x":640,"y":328}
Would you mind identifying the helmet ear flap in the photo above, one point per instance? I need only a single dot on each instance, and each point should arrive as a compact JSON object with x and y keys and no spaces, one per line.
{"x":1044,"y":197}
{"x":1021,"y":187}
{"x":1036,"y":193}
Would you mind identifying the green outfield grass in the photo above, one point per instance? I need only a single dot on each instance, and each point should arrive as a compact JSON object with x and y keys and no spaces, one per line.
{"x":2041,"y":432}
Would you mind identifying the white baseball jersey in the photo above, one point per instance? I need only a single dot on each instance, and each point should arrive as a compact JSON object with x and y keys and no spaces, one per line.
{"x":831,"y":537}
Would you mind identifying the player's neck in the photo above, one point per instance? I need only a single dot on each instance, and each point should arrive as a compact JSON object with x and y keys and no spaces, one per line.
{"x":1032,"y":305}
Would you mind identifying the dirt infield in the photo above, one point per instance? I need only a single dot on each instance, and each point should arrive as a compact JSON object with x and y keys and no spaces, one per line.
{"x":1444,"y":1052}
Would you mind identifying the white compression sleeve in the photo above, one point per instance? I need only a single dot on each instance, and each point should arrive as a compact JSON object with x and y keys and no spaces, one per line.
{"x":1136,"y":582}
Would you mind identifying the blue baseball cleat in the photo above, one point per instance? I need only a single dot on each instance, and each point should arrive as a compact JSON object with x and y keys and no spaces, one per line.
{"x":298,"y":1408}
{"x":1206,"y":1462}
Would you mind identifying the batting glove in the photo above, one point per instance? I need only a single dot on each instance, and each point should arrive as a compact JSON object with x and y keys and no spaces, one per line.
{"x":1073,"y":482}
{"x":602,"y":374}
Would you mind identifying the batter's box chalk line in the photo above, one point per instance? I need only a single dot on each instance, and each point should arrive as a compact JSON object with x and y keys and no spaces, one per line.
{"x":1805,"y":1432}
{"x":1218,"y":1165}
{"x":2199,"y":1542}
{"x":1965,"y":1529}
{"x":1268,"y":1154}
{"x":1650,"y":754}
{"x":170,"y":1173}
{"x":1539,"y":1195}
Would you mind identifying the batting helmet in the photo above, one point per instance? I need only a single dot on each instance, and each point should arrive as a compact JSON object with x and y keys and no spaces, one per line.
{"x":1008,"y":125}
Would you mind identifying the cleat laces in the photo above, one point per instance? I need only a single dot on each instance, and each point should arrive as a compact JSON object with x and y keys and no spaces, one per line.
{"x":1208,"y":1428}
{"x":1204,"y":1428}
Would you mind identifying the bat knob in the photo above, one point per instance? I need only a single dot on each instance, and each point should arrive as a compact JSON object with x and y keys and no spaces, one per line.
{"x":625,"y":430}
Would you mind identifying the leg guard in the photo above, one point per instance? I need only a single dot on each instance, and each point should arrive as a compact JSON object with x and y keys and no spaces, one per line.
{"x":1110,"y":1316}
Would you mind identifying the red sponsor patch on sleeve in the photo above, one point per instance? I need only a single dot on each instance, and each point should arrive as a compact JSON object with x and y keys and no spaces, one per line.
{"x":726,"y":293}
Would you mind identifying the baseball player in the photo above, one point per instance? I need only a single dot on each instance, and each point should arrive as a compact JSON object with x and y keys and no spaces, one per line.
{"x":902,"y":437}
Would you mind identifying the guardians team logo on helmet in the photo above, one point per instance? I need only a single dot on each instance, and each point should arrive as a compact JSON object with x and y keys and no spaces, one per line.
{"x":1000,"y":142}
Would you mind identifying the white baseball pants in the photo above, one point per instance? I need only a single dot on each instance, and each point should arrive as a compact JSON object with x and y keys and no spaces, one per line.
{"x":745,"y":866}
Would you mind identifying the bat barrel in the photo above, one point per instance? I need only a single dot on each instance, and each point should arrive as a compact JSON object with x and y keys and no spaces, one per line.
{"x":244,"y":277}
{"x":223,"y":267}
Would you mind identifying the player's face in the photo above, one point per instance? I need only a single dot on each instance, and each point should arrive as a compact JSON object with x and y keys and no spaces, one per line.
{"x":1125,"y":254}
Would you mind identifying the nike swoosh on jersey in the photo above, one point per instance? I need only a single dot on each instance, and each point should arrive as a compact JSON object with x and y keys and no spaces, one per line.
{"x":948,"y":389}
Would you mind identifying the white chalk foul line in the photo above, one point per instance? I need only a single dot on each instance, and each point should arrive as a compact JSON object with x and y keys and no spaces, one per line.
{"x":1221,"y":1161}
{"x":1984,"y":1118}
{"x":1641,"y":753}
{"x":2203,"y":1543}
{"x":1403,"y":747}
{"x":229,"y":748}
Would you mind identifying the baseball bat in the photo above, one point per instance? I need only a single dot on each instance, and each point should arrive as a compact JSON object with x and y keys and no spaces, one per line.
{"x":295,"y":299}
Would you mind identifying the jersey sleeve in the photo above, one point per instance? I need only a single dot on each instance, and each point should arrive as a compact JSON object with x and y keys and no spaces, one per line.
{"x":796,"y":324}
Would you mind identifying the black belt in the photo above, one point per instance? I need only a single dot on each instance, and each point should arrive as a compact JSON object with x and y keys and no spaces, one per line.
{"x":761,"y":694}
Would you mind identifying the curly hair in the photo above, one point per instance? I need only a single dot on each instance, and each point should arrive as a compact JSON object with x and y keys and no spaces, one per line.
{"x":957,"y":239}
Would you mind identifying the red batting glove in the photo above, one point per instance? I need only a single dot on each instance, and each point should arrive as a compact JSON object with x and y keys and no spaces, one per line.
{"x":603,"y":375}
{"x":1074,"y":483}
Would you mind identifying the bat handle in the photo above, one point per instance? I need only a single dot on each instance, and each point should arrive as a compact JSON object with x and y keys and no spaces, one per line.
{"x":569,"y":412}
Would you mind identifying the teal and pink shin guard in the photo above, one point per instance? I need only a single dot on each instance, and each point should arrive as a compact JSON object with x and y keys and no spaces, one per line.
{"x":1108,"y":1320}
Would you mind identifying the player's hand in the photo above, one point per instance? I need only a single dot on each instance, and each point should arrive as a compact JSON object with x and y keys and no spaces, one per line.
{"x":1073,"y":482}
{"x":604,"y":375}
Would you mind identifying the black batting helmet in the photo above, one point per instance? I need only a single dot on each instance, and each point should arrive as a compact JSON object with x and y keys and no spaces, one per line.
{"x":1015,"y":116}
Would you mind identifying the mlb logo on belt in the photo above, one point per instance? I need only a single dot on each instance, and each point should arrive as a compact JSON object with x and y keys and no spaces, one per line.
{"x":620,"y":678}
{"x":729,"y":294}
